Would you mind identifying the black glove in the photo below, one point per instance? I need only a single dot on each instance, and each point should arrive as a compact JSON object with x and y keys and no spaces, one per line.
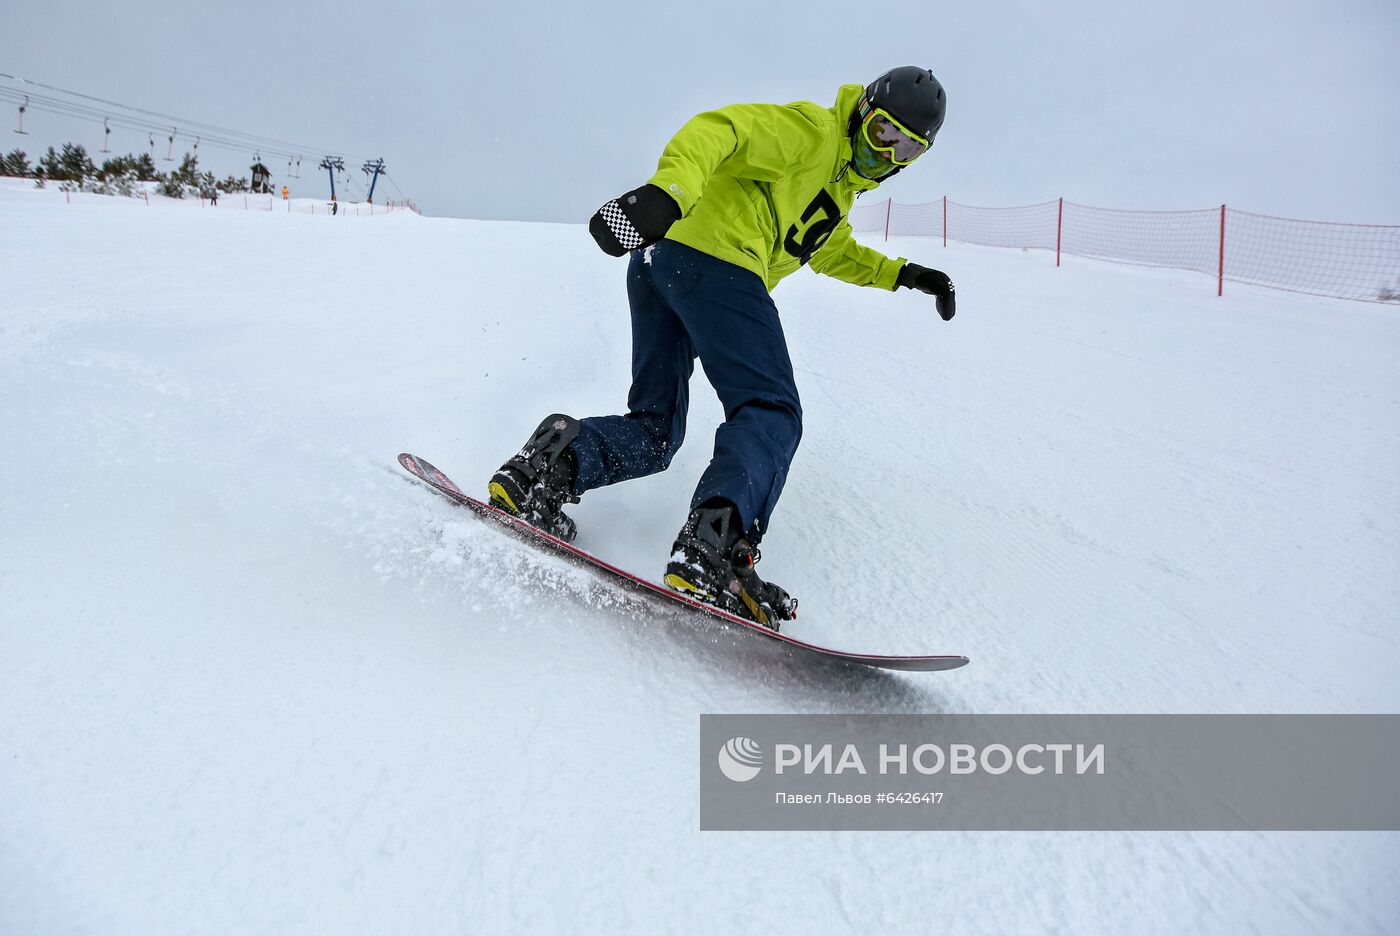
{"x":638,"y":219}
{"x":933,"y":282}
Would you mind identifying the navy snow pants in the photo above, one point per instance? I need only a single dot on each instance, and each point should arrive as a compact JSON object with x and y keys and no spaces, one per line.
{"x":687,"y":304}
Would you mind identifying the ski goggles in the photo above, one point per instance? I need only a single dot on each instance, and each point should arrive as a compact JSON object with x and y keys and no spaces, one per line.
{"x":889,"y":137}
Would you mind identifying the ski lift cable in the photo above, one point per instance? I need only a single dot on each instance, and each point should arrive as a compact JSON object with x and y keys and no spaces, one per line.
{"x":124,"y":123}
{"x":395,"y":185}
{"x":213,"y":141}
{"x":146,"y":126}
{"x":165,"y":119}
{"x":86,"y":112}
{"x":80,"y":110}
{"x":231,"y":141}
{"x":210,"y":135}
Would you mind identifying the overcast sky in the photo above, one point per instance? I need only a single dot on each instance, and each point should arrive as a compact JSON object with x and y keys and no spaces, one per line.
{"x":541,"y":111}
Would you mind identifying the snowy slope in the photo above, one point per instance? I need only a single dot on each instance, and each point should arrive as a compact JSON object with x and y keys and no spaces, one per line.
{"x":252,"y":681}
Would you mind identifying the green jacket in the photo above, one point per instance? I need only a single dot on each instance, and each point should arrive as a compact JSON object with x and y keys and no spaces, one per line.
{"x":768,"y":187}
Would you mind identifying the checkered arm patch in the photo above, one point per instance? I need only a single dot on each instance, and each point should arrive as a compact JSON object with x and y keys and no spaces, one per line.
{"x":621,"y":228}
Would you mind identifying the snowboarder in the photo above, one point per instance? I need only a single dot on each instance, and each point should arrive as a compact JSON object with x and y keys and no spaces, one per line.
{"x":743,"y":196}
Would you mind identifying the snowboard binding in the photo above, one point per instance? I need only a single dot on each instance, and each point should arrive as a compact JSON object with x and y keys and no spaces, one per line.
{"x":537,"y":483}
{"x":713,"y":562}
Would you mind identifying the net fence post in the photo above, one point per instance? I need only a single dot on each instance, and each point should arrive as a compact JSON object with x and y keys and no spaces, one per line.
{"x":1059,"y":227}
{"x":1220,"y":274}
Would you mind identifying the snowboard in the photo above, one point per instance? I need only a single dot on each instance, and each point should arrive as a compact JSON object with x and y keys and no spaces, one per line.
{"x":442,"y":484}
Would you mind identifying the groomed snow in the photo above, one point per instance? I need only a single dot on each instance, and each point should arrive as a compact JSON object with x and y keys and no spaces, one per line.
{"x":251,"y":680}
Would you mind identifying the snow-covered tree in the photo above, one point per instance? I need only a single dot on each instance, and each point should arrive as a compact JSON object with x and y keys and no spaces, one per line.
{"x":170,"y":186}
{"x":49,"y":167}
{"x":75,"y":163}
{"x":126,"y":182}
{"x":16,"y":163}
{"x":146,"y":168}
{"x":71,"y":165}
{"x":118,"y":165}
{"x":188,"y":173}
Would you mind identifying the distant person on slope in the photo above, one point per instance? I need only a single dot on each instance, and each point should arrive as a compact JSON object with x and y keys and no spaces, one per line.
{"x":743,"y":196}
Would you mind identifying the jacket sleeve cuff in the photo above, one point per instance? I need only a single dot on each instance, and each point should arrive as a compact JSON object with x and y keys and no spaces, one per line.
{"x":889,"y":276}
{"x":675,"y":189}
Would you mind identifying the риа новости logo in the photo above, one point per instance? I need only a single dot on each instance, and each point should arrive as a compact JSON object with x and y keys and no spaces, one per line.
{"x":740,"y":759}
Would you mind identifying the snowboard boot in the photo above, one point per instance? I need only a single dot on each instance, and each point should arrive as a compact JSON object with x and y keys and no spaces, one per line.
{"x":539,"y":481}
{"x":713,"y":562}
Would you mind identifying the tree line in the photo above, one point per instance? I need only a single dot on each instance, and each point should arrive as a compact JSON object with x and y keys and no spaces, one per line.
{"x":73,"y":169}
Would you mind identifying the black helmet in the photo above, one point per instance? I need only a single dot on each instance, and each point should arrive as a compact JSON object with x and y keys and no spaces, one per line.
{"x":912,"y":96}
